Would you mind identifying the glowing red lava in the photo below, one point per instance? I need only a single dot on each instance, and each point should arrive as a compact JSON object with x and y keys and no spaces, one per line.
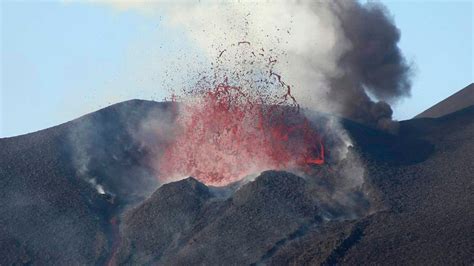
{"x":227,"y":134}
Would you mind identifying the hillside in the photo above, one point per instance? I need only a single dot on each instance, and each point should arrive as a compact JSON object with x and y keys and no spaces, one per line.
{"x":49,"y":212}
{"x":458,"y":101}
{"x":417,"y":208}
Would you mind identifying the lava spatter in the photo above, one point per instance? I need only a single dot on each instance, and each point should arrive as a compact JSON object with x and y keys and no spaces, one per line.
{"x":228,"y":130}
{"x":227,"y":134}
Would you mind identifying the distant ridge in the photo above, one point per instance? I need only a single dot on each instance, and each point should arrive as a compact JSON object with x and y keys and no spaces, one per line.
{"x":460,"y":100}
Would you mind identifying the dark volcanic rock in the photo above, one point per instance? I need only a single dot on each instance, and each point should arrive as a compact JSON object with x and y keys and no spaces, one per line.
{"x":385,"y":148}
{"x":158,"y":224}
{"x":49,"y":212}
{"x":428,"y":216}
{"x":47,"y":216}
{"x":431,"y":215}
{"x":183,"y":224}
{"x":421,"y":208}
{"x":458,"y":101}
{"x":259,"y":216}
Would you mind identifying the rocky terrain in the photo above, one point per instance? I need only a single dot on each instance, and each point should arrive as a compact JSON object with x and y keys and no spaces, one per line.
{"x":49,"y":212}
{"x":416,"y":208}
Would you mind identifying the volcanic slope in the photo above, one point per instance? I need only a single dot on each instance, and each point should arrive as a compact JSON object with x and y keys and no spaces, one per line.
{"x":51,"y":214}
{"x":183,"y":224}
{"x":428,"y":213}
{"x":460,"y":100}
{"x":425,"y":213}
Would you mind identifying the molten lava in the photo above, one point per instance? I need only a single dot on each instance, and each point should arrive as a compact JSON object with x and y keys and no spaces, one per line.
{"x":227,"y":133}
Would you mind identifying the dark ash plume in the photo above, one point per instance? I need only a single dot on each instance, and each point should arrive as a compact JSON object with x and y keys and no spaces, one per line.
{"x":374,"y":64}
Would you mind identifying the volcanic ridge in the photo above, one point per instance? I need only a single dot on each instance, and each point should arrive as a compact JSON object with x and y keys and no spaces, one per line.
{"x":415,"y":206}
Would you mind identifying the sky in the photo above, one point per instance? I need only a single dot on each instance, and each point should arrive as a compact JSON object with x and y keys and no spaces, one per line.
{"x":61,"y":60}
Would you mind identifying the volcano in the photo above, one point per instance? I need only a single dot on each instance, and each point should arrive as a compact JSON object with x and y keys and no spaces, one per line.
{"x":85,"y":192}
{"x":461,"y":99}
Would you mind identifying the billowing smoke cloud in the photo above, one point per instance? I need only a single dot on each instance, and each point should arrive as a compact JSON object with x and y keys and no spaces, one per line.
{"x":373,"y":64}
{"x":334,"y":53}
{"x":339,"y":56}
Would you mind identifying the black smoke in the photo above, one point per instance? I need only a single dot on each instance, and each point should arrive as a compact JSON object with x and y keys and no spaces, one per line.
{"x":372,"y":65}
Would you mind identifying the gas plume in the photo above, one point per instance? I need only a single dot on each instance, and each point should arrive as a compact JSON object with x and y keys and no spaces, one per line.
{"x":340,"y":56}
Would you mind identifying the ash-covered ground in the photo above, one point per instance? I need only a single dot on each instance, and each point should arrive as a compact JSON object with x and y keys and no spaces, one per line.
{"x":61,"y":208}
